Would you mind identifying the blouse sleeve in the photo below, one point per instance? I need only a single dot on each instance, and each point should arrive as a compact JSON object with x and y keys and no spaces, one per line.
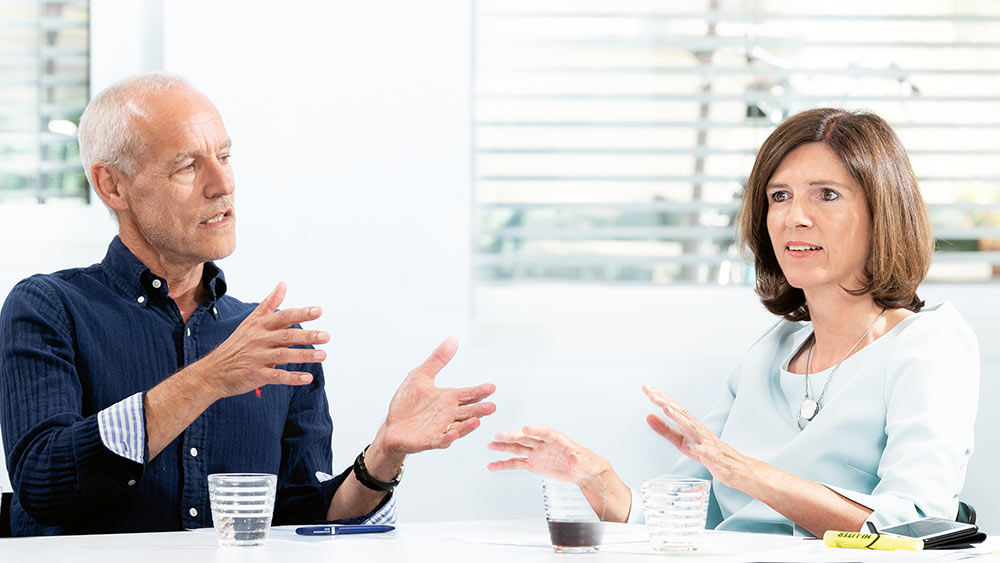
{"x":931,"y":396}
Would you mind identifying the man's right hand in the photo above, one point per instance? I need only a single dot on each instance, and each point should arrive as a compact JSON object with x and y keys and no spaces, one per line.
{"x":247,"y":359}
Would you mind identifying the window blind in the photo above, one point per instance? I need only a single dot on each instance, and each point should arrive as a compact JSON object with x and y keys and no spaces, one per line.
{"x":44,"y":87}
{"x":612,"y":140}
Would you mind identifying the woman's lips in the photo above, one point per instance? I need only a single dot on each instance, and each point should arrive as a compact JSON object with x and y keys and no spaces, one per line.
{"x":801,"y":249}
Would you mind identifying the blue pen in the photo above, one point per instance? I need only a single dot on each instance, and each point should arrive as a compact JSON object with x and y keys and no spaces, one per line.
{"x":341,"y":530}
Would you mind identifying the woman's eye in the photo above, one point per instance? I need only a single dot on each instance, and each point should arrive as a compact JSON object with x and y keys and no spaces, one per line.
{"x":830,"y":195}
{"x":778,"y":197}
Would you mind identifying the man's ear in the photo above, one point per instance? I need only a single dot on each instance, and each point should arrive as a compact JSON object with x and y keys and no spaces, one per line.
{"x":108,"y":183}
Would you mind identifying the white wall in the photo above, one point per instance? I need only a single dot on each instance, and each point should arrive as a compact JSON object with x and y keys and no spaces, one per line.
{"x":351,"y":129}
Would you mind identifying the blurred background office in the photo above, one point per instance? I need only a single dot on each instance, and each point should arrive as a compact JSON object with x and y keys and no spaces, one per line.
{"x":553,"y":182}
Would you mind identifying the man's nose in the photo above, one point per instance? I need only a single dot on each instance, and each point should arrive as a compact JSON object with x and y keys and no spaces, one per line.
{"x":218,"y":179}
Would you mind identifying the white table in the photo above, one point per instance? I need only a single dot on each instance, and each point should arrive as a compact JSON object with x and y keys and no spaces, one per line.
{"x":518,"y":541}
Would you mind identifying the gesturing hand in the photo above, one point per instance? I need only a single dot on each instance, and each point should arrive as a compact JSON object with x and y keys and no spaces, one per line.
{"x":423,"y":416}
{"x":247,"y":359}
{"x":542,"y":450}
{"x":690,"y":437}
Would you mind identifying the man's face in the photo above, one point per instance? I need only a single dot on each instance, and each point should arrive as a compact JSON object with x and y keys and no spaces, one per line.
{"x":181,"y":198}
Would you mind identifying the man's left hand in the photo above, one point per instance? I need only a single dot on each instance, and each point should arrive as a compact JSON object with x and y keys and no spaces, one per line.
{"x":423,"y":416}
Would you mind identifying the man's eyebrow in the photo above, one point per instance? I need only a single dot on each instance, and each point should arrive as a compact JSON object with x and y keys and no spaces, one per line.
{"x":186,"y":155}
{"x":182,"y":156}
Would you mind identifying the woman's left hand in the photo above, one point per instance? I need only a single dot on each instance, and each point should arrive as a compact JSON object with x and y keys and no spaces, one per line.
{"x":691,"y":437}
{"x":811,"y":505}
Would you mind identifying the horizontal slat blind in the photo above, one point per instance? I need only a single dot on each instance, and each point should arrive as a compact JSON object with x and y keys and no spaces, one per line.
{"x":612,"y":139}
{"x":44,"y":87}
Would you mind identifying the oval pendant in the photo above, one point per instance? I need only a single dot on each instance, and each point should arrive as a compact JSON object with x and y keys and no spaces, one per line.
{"x":808,"y":409}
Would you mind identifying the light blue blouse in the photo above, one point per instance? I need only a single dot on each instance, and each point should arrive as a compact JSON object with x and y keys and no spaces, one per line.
{"x":895,"y":432}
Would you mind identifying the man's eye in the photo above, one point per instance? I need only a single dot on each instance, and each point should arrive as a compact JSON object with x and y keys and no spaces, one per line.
{"x":188,"y":168}
{"x":224,"y":158}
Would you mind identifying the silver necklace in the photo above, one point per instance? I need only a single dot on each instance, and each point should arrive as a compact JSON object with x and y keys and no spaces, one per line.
{"x":810,"y":407}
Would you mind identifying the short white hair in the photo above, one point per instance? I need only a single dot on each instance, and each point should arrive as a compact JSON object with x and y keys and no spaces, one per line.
{"x":106,"y":133}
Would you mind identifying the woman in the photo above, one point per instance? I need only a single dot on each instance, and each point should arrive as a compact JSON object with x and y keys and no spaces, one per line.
{"x":860,"y":404}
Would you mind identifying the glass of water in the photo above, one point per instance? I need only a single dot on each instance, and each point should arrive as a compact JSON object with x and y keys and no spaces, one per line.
{"x":242,"y":506}
{"x":676,"y":508}
{"x":573,"y":525}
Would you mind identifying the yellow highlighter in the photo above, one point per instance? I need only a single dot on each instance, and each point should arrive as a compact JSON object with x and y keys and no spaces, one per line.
{"x":887,"y":542}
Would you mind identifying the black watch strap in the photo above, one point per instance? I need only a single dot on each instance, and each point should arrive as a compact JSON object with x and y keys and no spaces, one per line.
{"x":365,"y":478}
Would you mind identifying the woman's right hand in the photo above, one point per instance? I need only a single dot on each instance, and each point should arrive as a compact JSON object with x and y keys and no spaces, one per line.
{"x":542,"y":450}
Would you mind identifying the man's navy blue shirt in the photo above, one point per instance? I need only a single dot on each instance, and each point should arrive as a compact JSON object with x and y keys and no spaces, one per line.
{"x":78,"y":341}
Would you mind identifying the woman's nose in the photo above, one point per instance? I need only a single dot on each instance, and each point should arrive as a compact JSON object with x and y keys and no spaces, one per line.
{"x":798,"y":214}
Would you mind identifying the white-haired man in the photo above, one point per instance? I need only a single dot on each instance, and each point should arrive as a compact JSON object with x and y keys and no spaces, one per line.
{"x":124,"y":384}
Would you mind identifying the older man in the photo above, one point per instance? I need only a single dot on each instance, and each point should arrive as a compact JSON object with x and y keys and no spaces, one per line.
{"x":124,"y":384}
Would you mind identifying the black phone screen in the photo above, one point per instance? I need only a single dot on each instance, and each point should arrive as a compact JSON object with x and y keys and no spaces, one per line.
{"x":927,"y":528}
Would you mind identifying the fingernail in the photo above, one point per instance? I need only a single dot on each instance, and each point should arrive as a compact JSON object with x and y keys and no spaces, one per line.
{"x":322,"y":336}
{"x":314,"y":311}
{"x":319,"y":355}
{"x":305,"y":378}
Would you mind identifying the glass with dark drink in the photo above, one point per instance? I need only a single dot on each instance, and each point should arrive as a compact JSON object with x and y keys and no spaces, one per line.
{"x":574,"y":537}
{"x":573,"y":525}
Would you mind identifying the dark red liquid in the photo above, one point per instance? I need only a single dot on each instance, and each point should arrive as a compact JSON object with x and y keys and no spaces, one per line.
{"x":575,"y":534}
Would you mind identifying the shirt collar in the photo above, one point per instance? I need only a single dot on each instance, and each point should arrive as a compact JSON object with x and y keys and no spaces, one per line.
{"x":137,"y":283}
{"x":214,"y":280}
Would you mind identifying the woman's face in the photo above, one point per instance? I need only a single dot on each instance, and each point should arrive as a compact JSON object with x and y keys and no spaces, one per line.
{"x":818,"y":220}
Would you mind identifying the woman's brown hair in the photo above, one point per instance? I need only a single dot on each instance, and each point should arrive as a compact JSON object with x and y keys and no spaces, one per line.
{"x":902,"y":237}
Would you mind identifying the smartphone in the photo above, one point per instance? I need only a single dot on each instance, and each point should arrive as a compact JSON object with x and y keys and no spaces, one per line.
{"x":934,"y":531}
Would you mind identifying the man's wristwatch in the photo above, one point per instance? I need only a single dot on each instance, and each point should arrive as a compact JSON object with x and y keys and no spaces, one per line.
{"x":365,"y":478}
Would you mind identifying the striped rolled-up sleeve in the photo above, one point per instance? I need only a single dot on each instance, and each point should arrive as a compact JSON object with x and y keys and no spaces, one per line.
{"x":386,"y":514}
{"x":122,"y":427}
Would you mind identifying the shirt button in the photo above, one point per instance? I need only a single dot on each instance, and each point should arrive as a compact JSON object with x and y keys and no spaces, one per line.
{"x":157,"y":284}
{"x":215,"y":311}
{"x":189,"y":331}
{"x":141,"y":299}
{"x":131,"y":482}
{"x":193,"y":512}
{"x":194,"y":452}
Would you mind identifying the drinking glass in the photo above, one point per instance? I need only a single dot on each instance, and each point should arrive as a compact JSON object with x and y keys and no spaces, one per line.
{"x":676,"y":508}
{"x":242,"y":506}
{"x":573,"y":525}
